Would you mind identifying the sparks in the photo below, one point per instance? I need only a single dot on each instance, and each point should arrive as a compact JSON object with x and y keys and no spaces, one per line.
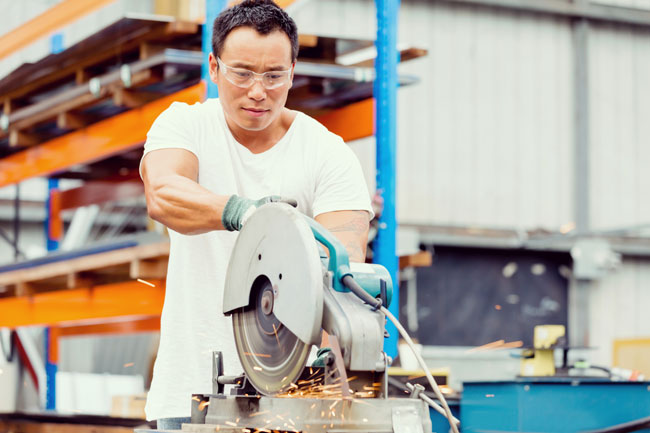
{"x":230,"y":423}
{"x":128,"y":364}
{"x":257,"y":368}
{"x":203,"y":405}
{"x":140,"y":280}
{"x":275,"y":331}
{"x":261,"y":355}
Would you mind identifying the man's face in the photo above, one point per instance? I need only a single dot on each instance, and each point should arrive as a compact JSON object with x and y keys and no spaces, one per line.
{"x":254,"y":108}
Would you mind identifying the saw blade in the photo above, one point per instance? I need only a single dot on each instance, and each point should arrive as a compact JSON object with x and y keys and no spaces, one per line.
{"x":272,"y":356}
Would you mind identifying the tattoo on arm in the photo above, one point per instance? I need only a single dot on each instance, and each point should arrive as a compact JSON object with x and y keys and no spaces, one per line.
{"x":358,"y":225}
{"x":355,"y":252}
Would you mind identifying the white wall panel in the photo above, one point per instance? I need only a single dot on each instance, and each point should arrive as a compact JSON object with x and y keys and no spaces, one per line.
{"x":637,"y":4}
{"x":618,"y":307}
{"x":620,"y":131}
{"x":486,"y":137}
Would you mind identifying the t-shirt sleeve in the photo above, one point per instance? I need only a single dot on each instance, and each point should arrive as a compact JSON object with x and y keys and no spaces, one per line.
{"x":172,"y":129}
{"x":340,"y":184}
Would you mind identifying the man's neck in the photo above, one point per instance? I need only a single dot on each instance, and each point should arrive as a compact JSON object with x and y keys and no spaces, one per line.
{"x":261,"y":141}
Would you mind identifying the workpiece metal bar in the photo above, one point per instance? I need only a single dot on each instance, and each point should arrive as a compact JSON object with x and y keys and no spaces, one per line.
{"x":179,"y":57}
{"x":565,"y":8}
{"x":385,"y":91}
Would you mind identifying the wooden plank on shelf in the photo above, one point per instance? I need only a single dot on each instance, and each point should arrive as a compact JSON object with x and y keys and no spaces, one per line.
{"x":70,"y":120}
{"x":96,"y":268}
{"x":52,"y":112}
{"x":149,"y":49}
{"x":131,"y":98}
{"x":149,"y":268}
{"x":59,"y":106}
{"x":19,"y":138}
{"x":421,"y":259}
{"x":90,"y":53}
{"x":108,"y":137}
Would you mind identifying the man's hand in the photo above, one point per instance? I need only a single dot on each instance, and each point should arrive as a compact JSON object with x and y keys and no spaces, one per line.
{"x":239,"y":209}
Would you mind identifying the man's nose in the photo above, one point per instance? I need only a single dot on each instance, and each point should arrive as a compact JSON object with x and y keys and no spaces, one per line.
{"x":257,"y":90}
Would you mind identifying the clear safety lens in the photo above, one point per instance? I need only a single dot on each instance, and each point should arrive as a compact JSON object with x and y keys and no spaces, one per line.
{"x":245,"y":78}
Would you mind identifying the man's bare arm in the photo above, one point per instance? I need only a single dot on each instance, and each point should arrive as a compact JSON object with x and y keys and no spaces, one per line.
{"x":351,"y":228}
{"x":174,"y":197}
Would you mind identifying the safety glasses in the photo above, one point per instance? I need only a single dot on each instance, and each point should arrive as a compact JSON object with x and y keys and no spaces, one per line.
{"x":245,"y":78}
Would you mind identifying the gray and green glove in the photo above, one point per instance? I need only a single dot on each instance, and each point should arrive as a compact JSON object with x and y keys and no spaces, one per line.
{"x":239,"y":209}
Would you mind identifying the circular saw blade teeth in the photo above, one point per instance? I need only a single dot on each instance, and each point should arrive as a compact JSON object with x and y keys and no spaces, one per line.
{"x":272,"y":356}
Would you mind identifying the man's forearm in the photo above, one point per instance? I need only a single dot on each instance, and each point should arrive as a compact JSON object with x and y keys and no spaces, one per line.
{"x":185,"y":206}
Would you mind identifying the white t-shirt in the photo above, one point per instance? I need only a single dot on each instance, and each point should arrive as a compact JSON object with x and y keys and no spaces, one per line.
{"x":309,"y":164}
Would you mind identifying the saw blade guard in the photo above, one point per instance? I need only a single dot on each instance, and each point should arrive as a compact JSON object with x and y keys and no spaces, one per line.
{"x":276,"y":242}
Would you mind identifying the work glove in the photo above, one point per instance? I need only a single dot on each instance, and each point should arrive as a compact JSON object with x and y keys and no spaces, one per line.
{"x":239,"y":209}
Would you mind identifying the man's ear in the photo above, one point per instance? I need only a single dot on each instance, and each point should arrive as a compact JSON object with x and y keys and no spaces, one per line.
{"x":213,"y":68}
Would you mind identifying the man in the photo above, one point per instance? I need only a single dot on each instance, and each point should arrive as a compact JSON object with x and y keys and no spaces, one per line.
{"x":208,"y":166}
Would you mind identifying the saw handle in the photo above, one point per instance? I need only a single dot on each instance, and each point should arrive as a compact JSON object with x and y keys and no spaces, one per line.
{"x":339,"y":263}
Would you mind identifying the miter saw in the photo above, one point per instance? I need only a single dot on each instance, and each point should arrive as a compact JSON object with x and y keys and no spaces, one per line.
{"x":282,"y":290}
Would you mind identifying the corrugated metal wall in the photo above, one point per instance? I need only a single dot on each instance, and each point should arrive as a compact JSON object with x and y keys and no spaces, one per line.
{"x":619,"y":59}
{"x":486,"y":137}
{"x":618,"y":306}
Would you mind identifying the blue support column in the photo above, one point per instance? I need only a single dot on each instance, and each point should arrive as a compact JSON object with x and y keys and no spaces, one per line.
{"x":52,"y":244}
{"x":385,"y":91}
{"x":56,"y":46}
{"x":212,"y":9}
{"x":50,"y":372}
{"x":56,"y":43}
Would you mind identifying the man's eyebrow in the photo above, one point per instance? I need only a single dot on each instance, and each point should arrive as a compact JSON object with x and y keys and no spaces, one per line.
{"x":279,"y":68}
{"x":241,"y":65}
{"x":248,"y":66}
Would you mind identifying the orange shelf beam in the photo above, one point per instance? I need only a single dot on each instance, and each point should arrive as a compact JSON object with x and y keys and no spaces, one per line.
{"x":130,"y":298}
{"x":95,"y":142}
{"x":46,"y":23}
{"x":353,"y":121}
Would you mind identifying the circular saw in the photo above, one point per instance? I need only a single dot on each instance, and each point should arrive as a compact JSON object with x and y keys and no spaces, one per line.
{"x":282,"y":292}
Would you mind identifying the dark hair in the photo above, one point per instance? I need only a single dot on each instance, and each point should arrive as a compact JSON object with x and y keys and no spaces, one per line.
{"x":262,"y":15}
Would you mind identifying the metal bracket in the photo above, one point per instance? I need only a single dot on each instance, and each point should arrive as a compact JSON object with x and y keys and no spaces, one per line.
{"x":406,"y":420}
